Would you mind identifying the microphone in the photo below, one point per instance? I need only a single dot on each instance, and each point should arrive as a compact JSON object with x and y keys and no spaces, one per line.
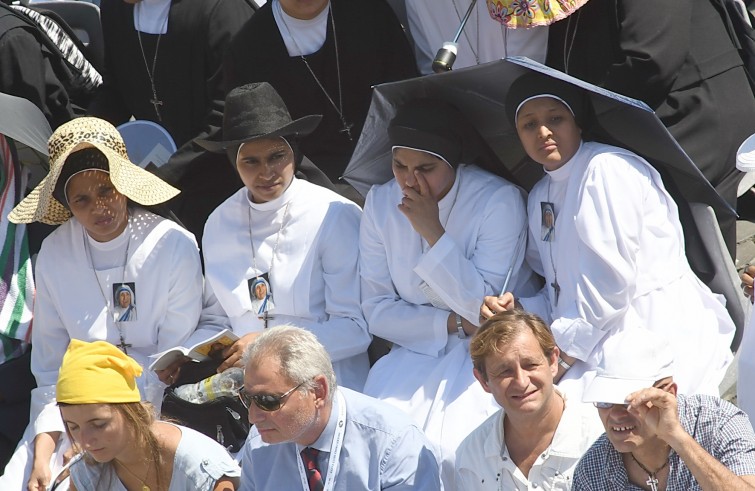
{"x":446,"y":56}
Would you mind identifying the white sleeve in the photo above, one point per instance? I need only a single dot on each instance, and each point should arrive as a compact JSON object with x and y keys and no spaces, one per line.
{"x":212,"y":320}
{"x":460,"y":281}
{"x":608,"y":226}
{"x":344,"y":333}
{"x":184,"y":302}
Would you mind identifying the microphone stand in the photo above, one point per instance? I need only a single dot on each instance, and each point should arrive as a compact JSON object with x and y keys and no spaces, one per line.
{"x":446,"y":56}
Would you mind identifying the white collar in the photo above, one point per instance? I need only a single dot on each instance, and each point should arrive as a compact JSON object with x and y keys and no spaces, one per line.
{"x":277,"y":203}
{"x":151,"y":16}
{"x":563,"y":172}
{"x":301,"y":36}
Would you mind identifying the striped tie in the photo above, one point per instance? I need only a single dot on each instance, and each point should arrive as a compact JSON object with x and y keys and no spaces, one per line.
{"x":309,"y":456}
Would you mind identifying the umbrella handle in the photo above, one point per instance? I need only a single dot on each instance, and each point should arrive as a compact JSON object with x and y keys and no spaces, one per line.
{"x":446,"y":56}
{"x":519,"y":243}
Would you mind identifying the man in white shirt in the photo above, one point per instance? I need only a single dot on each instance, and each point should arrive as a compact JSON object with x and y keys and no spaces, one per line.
{"x":537,"y":438}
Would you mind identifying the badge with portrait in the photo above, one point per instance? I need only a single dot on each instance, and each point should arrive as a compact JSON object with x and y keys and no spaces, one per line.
{"x":547,"y":222}
{"x":261,"y":294}
{"x":124,"y":299}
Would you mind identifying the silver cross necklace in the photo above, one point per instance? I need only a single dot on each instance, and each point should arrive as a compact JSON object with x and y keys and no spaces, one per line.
{"x":151,"y":73}
{"x":266,"y":316}
{"x":108,"y":304}
{"x":652,"y":479}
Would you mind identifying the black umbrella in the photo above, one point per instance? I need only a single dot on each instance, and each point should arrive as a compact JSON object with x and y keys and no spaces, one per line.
{"x":480,"y":91}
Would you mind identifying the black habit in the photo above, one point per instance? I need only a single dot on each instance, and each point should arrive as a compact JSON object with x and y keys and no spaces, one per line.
{"x":188,"y":62}
{"x":372,"y":49}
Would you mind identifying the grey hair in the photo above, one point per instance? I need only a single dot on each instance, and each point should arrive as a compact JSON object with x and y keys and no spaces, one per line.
{"x":301,"y":356}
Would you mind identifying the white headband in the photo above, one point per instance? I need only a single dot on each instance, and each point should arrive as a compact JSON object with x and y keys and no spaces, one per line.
{"x":282,"y":138}
{"x":516,"y":116}
{"x":394,"y":147}
{"x":65,"y":187}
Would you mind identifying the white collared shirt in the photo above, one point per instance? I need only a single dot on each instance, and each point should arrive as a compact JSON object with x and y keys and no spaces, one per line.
{"x":483,"y":461}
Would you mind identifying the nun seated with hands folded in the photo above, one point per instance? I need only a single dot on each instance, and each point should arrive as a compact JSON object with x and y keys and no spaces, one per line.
{"x":605,"y":234}
{"x":281,"y":250}
{"x":111,"y":271}
{"x":433,"y":242}
{"x":120,"y":445}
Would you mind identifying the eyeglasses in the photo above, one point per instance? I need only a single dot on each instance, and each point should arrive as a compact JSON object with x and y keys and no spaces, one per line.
{"x":266,"y":402}
{"x":608,"y":405}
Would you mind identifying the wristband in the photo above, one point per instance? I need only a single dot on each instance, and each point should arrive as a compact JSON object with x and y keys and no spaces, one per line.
{"x":563,"y":364}
{"x":460,"y":328}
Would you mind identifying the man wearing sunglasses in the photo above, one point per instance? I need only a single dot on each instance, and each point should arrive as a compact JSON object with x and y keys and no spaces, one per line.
{"x":657,"y":439}
{"x":309,"y":434}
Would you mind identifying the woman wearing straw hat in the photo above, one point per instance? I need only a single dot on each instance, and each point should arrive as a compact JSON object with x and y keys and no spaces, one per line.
{"x":432,"y":240}
{"x":301,"y":239}
{"x":106,"y":241}
{"x":122,"y":445}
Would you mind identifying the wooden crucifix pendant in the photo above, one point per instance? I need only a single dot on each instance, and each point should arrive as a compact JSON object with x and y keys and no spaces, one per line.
{"x":652,"y":482}
{"x":123,"y":345}
{"x":556,"y":289}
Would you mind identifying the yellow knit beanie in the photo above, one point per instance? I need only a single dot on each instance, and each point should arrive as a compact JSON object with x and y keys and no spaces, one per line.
{"x":97,"y":372}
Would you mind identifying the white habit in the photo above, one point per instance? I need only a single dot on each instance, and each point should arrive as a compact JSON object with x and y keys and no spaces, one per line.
{"x":428,"y":373}
{"x":434,"y":22}
{"x":163,"y":264}
{"x":618,"y":257}
{"x":314,"y":278}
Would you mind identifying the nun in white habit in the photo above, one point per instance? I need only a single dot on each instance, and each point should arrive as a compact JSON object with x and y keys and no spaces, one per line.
{"x":432,"y":240}
{"x":615,"y":258}
{"x":282,"y":250}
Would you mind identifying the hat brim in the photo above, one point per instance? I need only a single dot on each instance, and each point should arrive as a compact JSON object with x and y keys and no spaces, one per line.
{"x":300,"y":127}
{"x":614,"y":390}
{"x":129,"y":179}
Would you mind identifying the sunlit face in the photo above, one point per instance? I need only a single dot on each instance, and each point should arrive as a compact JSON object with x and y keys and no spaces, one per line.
{"x":521,"y":378}
{"x":625,"y":431}
{"x":298,"y":420}
{"x":303,"y":9}
{"x":408,"y":164}
{"x":97,"y":205}
{"x":99,"y":429}
{"x":266,"y":167}
{"x":548,"y":132}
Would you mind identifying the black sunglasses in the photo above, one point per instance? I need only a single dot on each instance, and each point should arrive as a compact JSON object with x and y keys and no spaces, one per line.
{"x":266,"y":402}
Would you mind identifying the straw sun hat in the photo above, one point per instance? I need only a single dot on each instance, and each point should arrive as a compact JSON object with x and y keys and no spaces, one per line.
{"x":129,"y":179}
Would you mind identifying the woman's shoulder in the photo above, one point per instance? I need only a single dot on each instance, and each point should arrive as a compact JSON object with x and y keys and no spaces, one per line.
{"x":198,"y":453}
{"x":145,"y":224}
{"x":482,"y":186}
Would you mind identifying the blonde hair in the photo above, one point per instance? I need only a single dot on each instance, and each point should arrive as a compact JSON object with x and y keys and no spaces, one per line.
{"x":140,"y":416}
{"x":493,"y":336}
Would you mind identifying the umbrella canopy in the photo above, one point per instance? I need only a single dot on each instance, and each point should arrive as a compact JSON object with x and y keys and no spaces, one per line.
{"x":531,"y":13}
{"x":480,"y":91}
{"x":23,"y":122}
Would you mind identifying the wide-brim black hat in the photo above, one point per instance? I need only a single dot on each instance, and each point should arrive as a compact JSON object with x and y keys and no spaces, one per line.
{"x":255,"y":111}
